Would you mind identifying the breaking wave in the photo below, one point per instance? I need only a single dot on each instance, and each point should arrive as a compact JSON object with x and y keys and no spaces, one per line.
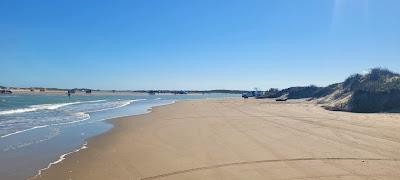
{"x":44,"y":115}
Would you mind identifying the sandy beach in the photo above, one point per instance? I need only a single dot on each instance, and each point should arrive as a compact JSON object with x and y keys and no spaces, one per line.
{"x":240,"y":139}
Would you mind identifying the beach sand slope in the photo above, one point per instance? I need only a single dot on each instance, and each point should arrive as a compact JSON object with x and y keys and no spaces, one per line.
{"x":240,"y":139}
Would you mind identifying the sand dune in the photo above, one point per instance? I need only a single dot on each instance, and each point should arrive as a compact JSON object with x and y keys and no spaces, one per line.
{"x":240,"y":139}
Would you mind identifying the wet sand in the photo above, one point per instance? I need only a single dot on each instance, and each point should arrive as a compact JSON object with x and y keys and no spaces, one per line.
{"x":240,"y":139}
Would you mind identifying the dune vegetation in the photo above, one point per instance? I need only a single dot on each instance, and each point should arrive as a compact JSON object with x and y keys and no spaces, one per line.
{"x":376,"y":91}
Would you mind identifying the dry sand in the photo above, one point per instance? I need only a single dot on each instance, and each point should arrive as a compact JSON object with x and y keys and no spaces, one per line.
{"x":241,"y":139}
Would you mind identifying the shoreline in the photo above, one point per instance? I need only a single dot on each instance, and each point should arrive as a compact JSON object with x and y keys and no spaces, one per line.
{"x":85,"y":145}
{"x":35,"y":148}
{"x":123,"y":125}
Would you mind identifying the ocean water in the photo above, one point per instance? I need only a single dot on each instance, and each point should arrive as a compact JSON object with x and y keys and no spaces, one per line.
{"x":37,"y":131}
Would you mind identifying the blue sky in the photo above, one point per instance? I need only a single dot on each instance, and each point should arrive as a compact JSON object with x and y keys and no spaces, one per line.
{"x":194,"y":44}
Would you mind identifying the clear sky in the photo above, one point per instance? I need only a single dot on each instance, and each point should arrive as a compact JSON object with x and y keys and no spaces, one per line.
{"x":194,"y":44}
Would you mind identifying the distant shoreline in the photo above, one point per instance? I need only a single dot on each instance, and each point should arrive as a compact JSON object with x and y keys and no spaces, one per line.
{"x":36,"y":91}
{"x":105,"y":93}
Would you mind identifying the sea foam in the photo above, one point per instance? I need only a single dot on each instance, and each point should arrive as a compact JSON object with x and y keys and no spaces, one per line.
{"x":82,"y":115}
{"x":33,"y":108}
{"x":60,"y":159}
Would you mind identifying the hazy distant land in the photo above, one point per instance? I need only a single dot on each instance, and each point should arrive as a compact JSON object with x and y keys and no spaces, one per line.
{"x":376,"y":91}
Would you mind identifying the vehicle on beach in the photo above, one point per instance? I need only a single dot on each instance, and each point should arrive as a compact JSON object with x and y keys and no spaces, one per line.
{"x":281,"y":99}
{"x":5,"y":91}
{"x":255,"y":94}
{"x":247,"y":95}
{"x":181,"y":92}
{"x":152,"y":92}
{"x":71,"y":91}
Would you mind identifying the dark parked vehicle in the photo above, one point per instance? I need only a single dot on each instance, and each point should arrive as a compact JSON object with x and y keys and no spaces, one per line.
{"x":3,"y":91}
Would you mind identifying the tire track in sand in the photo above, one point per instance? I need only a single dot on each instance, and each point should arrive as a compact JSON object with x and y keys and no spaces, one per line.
{"x":260,"y":162}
